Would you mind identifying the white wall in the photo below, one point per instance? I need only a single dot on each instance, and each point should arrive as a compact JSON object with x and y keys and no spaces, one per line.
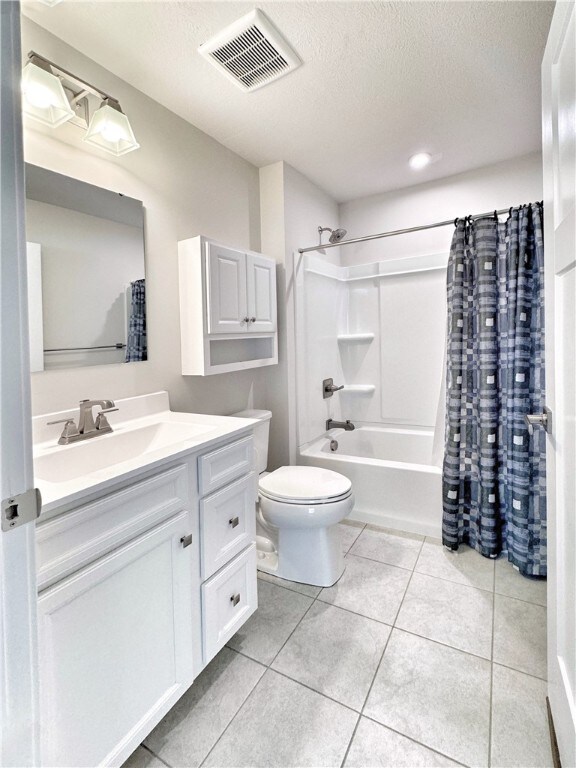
{"x":292,"y":208}
{"x":87,"y":265}
{"x":189,"y":185}
{"x":502,"y":185}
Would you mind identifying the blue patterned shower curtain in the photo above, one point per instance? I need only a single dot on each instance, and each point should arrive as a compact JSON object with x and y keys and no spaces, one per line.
{"x":494,"y":473}
{"x":136,"y":347}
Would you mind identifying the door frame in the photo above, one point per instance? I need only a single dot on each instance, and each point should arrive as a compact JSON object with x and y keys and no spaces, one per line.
{"x":19,"y":710}
{"x":560,"y":697}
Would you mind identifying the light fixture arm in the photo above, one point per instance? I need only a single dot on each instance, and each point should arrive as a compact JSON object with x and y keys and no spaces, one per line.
{"x":86,"y":88}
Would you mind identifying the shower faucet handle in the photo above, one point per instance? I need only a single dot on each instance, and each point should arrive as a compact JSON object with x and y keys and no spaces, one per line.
{"x":328,"y":388}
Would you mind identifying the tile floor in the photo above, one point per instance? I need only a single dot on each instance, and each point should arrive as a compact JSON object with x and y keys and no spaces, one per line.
{"x":416,"y":657}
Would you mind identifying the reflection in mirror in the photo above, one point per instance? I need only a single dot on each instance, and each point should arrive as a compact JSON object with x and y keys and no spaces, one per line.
{"x":86,"y":282}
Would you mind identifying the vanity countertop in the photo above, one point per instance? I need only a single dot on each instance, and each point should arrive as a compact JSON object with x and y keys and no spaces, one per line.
{"x":146,"y":434}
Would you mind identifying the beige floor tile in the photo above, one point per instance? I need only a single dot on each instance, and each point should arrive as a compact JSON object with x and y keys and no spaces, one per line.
{"x":466,"y":566}
{"x":394,"y":548}
{"x":520,"y":635}
{"x":370,"y":588}
{"x":449,"y":613}
{"x":511,"y":583}
{"x":285,"y":725}
{"x":375,"y":746}
{"x":434,"y":694}
{"x":335,"y":652}
{"x":520,"y":735}
{"x":198,"y":719}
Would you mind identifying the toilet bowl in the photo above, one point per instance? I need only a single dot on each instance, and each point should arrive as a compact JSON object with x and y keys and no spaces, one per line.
{"x":298,"y":512}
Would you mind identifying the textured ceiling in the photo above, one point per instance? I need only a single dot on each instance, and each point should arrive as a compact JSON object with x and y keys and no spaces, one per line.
{"x":380,"y":81}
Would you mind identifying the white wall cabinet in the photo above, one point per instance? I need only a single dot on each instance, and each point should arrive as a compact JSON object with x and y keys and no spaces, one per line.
{"x":130,"y":609}
{"x":227,"y":308}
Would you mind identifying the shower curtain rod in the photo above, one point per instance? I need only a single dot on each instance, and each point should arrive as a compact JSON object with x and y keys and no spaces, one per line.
{"x":398,"y":232}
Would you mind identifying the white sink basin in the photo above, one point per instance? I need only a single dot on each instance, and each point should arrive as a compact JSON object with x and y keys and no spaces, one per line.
{"x":70,"y":462}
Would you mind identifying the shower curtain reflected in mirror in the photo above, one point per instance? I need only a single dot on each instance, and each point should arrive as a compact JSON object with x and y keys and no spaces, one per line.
{"x":494,"y":471}
{"x":137,"y":346}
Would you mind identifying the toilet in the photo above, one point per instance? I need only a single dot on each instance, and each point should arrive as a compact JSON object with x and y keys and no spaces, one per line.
{"x":298,"y":512}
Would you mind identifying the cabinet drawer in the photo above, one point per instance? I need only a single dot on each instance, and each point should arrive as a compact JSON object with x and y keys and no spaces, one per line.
{"x":228,"y":523}
{"x":228,"y":599}
{"x":71,"y":541}
{"x":220,"y":467}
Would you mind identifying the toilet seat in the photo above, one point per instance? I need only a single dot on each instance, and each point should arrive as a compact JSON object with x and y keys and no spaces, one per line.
{"x":305,"y":485}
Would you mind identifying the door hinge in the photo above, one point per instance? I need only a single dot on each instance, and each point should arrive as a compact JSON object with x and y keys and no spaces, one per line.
{"x":21,"y":509}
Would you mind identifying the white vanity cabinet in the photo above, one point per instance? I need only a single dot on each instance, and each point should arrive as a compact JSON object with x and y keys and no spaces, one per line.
{"x":227,"y":308}
{"x":139,"y":587}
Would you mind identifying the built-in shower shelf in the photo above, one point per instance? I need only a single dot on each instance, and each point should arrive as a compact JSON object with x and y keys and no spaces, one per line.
{"x":359,"y":389}
{"x":352,"y":338}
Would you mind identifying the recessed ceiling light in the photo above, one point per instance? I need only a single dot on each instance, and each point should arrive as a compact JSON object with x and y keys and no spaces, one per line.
{"x":420,"y":160}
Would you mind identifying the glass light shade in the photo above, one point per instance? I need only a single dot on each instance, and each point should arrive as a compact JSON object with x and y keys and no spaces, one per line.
{"x":44,"y":97}
{"x":110,"y":129}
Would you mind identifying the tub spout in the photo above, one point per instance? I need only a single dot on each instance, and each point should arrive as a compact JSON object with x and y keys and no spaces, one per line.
{"x":346,"y":425}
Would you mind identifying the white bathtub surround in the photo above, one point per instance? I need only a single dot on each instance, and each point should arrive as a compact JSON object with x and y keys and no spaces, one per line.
{"x":338,"y":661}
{"x":395,"y":483}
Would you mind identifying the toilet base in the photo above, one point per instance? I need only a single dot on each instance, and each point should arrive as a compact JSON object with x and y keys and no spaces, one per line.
{"x":310,"y":555}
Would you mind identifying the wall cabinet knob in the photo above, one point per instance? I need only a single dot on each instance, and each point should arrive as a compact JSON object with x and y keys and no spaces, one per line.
{"x":235,"y":599}
{"x":252,"y":319}
{"x":186,"y":540}
{"x":233,"y":522}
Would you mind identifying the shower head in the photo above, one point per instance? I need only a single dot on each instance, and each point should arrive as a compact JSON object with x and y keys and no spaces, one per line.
{"x":335,"y":234}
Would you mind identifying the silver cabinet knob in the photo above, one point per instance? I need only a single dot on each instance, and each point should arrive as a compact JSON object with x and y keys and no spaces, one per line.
{"x":246,"y":320}
{"x":235,"y":599}
{"x":186,"y":540}
{"x":252,"y":319}
{"x":233,"y":522}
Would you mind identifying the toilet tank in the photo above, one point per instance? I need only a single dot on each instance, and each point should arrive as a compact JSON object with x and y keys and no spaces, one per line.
{"x":261,"y":435}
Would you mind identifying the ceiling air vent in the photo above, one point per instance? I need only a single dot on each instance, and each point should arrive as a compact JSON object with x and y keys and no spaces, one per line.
{"x":251,"y":52}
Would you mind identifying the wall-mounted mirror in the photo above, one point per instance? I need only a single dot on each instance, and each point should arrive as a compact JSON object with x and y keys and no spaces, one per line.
{"x":86,"y":281}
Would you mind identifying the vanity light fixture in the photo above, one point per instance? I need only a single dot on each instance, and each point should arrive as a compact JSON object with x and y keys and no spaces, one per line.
{"x":44,"y":97}
{"x":110,"y":129}
{"x":53,"y":96}
{"x":419,"y":161}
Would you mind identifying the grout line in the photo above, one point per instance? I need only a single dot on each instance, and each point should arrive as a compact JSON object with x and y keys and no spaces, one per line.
{"x":343,"y":763}
{"x":415,"y":741}
{"x":382,"y":562}
{"x":319,"y":693}
{"x":520,"y":671}
{"x":491,"y":677}
{"x":155,"y":755}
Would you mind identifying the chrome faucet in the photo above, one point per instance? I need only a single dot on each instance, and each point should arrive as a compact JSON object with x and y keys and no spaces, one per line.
{"x":346,"y":425}
{"x":86,"y":423}
{"x":87,"y":427}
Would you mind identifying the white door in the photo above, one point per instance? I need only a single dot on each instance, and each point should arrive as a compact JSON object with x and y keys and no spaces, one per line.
{"x":227,"y":305}
{"x":559,"y":156}
{"x":116,"y":648}
{"x":261,"y":282}
{"x":18,"y":664}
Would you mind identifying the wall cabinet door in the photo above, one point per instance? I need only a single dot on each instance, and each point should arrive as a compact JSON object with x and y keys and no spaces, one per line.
{"x":261,"y":289}
{"x":226,"y":290}
{"x":116,"y":648}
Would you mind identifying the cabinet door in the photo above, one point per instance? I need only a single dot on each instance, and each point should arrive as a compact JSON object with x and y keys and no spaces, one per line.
{"x":226,"y":290}
{"x":261,"y":284}
{"x":116,"y":648}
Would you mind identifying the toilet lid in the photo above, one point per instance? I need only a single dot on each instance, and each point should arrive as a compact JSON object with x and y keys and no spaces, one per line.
{"x":304,"y":484}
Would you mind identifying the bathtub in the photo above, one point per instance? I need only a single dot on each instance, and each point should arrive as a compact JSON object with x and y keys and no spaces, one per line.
{"x":393,"y":478}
